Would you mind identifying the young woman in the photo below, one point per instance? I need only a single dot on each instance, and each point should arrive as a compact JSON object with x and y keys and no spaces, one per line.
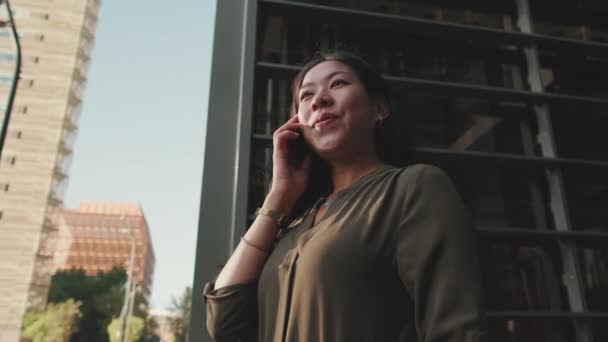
{"x":376,"y":251}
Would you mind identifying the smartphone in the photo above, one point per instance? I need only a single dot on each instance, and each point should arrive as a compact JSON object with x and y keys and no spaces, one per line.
{"x":298,"y":150}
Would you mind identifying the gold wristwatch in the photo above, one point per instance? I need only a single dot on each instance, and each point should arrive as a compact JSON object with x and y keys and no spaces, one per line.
{"x":275,"y":215}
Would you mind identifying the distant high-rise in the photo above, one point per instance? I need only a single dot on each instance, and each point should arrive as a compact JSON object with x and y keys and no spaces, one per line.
{"x":96,"y":237}
{"x":56,"y":38}
{"x":508,"y":96}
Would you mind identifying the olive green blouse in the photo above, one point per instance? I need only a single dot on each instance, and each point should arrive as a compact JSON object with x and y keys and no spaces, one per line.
{"x":393,"y":259}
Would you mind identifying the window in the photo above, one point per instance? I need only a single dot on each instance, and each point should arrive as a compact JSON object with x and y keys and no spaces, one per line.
{"x":10,"y":159}
{"x":22,"y":109}
{"x":18,"y":12}
{"x":6,"y":187}
{"x":9,"y":57}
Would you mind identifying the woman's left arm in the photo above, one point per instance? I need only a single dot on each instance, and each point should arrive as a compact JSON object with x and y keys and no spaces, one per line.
{"x":437,"y":260}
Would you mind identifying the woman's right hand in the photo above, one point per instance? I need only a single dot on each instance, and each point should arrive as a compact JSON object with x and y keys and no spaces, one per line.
{"x":288,"y":181}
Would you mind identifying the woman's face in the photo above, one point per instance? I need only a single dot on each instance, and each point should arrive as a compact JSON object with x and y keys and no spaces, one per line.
{"x":334,"y":102}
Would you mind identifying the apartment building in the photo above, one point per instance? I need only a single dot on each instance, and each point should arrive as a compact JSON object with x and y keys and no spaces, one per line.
{"x":56,"y":39}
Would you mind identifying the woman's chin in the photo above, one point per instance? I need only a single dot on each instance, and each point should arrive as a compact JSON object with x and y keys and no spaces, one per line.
{"x":327,"y":152}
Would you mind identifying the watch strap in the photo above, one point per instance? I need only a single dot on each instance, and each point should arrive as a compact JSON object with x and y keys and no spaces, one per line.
{"x":274,"y":214}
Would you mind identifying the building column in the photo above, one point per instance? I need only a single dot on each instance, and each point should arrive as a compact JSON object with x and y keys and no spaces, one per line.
{"x":223,"y":208}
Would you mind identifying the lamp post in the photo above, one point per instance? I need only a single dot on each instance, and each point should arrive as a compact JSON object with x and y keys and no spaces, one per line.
{"x":16,"y":73}
{"x":130,"y":312}
{"x":129,"y":288}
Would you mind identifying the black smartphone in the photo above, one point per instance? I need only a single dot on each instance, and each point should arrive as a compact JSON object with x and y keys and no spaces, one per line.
{"x":298,"y":150}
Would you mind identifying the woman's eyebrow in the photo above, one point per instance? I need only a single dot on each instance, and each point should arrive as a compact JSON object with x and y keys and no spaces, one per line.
{"x":308,"y":84}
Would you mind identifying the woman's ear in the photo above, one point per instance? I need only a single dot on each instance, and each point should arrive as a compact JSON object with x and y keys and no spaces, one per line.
{"x":381,"y":109}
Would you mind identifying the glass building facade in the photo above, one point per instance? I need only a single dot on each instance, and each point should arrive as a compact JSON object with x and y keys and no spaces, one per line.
{"x":509,"y":97}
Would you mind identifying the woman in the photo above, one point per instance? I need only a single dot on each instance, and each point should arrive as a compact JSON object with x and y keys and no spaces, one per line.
{"x":377,"y":251}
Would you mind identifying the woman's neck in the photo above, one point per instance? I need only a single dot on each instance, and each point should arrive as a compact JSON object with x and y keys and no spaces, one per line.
{"x":345,"y":174}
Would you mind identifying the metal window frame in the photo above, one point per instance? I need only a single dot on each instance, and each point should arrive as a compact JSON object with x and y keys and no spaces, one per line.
{"x":444,"y":29}
{"x":461,"y":89}
{"x":572,"y":277}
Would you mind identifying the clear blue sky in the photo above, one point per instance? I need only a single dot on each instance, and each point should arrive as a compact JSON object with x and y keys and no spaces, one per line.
{"x":142,"y":127}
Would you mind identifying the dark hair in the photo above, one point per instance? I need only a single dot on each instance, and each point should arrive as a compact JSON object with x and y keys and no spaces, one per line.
{"x":391,"y":140}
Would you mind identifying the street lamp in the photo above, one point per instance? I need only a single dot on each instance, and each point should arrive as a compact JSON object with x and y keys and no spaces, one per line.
{"x":134,"y":290}
{"x":127,"y":306}
{"x":16,"y":73}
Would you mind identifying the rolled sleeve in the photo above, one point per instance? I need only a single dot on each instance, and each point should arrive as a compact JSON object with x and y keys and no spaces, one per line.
{"x":231,"y":312}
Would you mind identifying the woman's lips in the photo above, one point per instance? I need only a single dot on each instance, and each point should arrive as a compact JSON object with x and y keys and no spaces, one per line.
{"x":325,"y":122}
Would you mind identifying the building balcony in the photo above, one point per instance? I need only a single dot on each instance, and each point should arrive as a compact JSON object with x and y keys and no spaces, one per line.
{"x":59,"y":173}
{"x":93,"y":8}
{"x":74,"y":99}
{"x":70,"y":123}
{"x":85,"y":47}
{"x":89,"y":27}
{"x":44,"y":254}
{"x":65,"y":147}
{"x":54,"y":199}
{"x":82,"y":67}
{"x":77,"y":89}
{"x":67,"y":138}
{"x":48,"y":226}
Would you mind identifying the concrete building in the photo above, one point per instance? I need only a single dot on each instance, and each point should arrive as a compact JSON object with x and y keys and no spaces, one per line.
{"x":96,"y":237}
{"x":56,"y":39}
{"x":508,"y":96}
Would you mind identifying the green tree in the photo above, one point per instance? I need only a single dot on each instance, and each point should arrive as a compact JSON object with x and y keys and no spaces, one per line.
{"x":55,"y":323}
{"x":149,"y":334}
{"x":135,"y":331}
{"x":101,"y":297}
{"x":181,"y":323}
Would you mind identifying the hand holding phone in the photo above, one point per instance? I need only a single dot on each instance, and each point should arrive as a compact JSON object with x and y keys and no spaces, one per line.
{"x":290,"y":160}
{"x":298,"y":150}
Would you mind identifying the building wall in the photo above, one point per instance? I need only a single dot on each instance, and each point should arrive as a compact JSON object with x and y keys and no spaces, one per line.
{"x":96,"y":237}
{"x":56,"y":38}
{"x":507,"y":96}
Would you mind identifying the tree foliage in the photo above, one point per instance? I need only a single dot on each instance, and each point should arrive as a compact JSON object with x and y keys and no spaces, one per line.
{"x":101,"y":297}
{"x":56,"y":323}
{"x":135,"y":330}
{"x":181,"y":323}
{"x":150,"y":330}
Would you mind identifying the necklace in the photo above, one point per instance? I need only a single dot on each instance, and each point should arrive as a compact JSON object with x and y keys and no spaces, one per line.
{"x":327,"y":202}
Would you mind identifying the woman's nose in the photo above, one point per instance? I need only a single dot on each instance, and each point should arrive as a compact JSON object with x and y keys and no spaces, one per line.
{"x":321,"y":99}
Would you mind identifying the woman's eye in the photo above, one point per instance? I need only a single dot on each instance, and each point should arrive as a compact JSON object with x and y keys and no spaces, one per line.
{"x":305,"y":96}
{"x":337,"y":83}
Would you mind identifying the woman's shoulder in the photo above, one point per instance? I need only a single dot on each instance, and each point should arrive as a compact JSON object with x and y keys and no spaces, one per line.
{"x":418,"y":175}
